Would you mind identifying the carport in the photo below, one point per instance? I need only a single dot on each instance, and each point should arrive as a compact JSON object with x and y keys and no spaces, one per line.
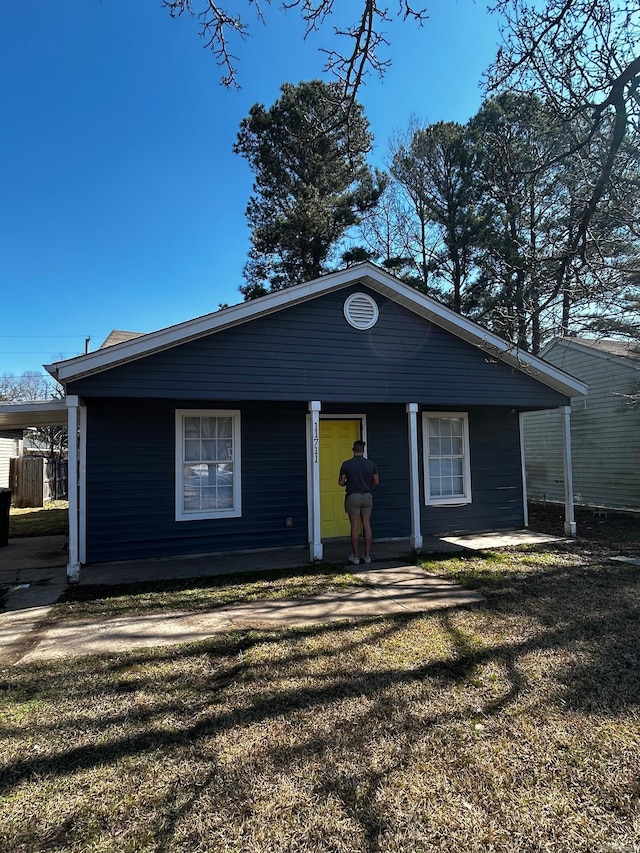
{"x":43,"y":413}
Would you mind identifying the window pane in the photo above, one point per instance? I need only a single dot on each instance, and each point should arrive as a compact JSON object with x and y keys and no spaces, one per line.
{"x":208,"y":466}
{"x":445,"y":447}
{"x":192,"y":450}
{"x":208,"y":449}
{"x":225,"y":427}
{"x":209,"y":498}
{"x":434,"y":467}
{"x":225,"y":497}
{"x":208,"y":427}
{"x":224,"y":449}
{"x":224,"y":474}
{"x":192,"y":427}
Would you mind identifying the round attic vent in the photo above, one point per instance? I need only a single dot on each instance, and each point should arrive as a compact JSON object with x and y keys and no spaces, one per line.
{"x":361,"y":311}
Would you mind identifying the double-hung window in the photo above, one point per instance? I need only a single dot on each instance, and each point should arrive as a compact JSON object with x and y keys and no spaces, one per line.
{"x":447,"y":475}
{"x":207,"y":464}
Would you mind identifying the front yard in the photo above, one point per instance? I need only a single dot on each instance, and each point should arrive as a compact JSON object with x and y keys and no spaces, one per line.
{"x":509,"y":726}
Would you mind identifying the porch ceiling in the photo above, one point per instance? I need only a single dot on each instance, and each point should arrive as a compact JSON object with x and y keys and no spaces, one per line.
{"x":40,"y":413}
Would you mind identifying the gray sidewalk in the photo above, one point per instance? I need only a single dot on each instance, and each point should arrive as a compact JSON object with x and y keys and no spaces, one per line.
{"x":392,"y":589}
{"x":33,"y":577}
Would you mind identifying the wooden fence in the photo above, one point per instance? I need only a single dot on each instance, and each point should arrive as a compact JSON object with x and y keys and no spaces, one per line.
{"x":34,"y":480}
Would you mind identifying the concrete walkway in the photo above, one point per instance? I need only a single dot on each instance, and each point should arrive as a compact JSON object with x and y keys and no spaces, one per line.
{"x":33,"y":577}
{"x":28,"y":633}
{"x":392,"y":589}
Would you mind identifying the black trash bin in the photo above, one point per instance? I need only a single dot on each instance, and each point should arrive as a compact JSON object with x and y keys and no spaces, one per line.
{"x":5,"y":506}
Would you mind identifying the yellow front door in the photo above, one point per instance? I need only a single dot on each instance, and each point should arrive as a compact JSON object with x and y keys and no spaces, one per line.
{"x":336,"y":443}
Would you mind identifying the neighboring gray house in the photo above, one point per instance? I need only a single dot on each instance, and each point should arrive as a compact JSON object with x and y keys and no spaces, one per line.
{"x":226,"y":432}
{"x":605,"y":428}
{"x":10,"y":446}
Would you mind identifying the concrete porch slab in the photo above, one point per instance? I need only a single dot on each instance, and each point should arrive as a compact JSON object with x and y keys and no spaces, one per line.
{"x":500,"y":539}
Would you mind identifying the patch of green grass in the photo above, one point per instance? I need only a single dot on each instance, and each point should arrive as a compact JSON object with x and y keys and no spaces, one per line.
{"x":50,"y":520}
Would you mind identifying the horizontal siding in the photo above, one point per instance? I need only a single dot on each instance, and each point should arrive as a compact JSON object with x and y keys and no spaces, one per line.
{"x":130,"y":493}
{"x":131,"y":503}
{"x":9,"y":448}
{"x":496,"y":479}
{"x":543,"y":456}
{"x":605,"y":435}
{"x":309,"y":351}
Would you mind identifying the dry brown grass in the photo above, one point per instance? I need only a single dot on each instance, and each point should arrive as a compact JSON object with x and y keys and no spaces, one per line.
{"x":510,"y":726}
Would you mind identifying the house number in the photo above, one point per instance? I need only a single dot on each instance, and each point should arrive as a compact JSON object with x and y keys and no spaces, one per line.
{"x":316,"y":442}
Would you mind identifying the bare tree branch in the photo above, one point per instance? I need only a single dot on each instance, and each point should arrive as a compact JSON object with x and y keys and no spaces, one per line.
{"x":583,"y":57}
{"x":350,"y":66}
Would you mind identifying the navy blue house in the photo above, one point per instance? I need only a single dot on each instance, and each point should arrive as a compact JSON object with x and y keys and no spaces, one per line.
{"x":225,"y":433}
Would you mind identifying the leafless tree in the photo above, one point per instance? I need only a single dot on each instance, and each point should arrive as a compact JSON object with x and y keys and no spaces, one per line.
{"x":28,"y":387}
{"x":583,"y":59}
{"x":364,"y":38}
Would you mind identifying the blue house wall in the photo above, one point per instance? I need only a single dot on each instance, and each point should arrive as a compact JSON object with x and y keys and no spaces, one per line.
{"x":269,"y":369}
{"x":309,"y":352}
{"x":131,"y":497}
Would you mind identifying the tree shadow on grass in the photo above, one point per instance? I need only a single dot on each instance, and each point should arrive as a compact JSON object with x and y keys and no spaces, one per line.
{"x":582,"y":622}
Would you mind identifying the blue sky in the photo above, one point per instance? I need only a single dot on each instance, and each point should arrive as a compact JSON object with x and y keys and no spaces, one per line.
{"x":121,"y":200}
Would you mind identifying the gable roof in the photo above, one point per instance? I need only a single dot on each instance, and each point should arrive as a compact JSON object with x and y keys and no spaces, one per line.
{"x":603,"y":348}
{"x":366,"y":274}
{"x":117,"y":336}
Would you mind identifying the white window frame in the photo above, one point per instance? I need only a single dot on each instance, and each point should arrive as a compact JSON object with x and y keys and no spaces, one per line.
{"x":449,"y":500}
{"x":232,"y":512}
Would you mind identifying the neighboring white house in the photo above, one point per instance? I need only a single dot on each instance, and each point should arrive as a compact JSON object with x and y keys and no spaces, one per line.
{"x":10,"y":446}
{"x":605,"y":428}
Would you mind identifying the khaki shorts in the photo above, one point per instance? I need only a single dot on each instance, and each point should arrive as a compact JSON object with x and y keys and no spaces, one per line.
{"x":358,"y":503}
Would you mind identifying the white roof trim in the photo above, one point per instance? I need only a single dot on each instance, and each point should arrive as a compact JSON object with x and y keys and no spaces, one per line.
{"x":366,"y":274}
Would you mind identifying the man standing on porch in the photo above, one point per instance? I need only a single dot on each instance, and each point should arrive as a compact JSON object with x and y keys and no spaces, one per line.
{"x":359,"y":475}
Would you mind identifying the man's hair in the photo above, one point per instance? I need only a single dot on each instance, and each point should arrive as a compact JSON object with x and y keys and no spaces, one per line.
{"x":359,"y":446}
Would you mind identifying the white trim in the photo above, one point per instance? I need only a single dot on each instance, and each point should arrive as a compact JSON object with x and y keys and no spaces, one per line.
{"x":523,"y":470}
{"x":454,"y":500}
{"x":414,"y":478}
{"x":570,"y":528}
{"x":316,"y":549}
{"x":358,"y":417}
{"x":82,"y":485}
{"x":367,"y":275}
{"x":233,"y":512}
{"x":73,"y":566}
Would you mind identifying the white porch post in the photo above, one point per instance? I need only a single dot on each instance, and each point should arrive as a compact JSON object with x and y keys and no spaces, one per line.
{"x":82,"y":485}
{"x":570,"y":527}
{"x":73,"y":566}
{"x":414,"y":479}
{"x":523,"y":468}
{"x":316,"y":550}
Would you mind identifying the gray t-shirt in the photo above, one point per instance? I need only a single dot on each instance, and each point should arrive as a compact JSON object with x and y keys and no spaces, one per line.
{"x":358,"y":472}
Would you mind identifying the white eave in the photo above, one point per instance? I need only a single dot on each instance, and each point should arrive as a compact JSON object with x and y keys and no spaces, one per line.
{"x":36,"y":414}
{"x":366,"y":274}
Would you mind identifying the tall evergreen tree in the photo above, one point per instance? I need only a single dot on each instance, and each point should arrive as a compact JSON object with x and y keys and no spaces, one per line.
{"x":436,"y":171}
{"x":312,"y":183}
